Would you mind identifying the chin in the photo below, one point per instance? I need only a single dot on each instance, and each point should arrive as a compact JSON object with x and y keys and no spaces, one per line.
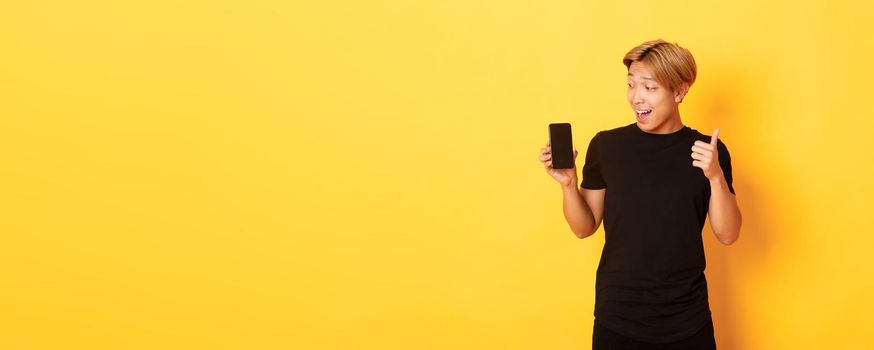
{"x":651,"y":121}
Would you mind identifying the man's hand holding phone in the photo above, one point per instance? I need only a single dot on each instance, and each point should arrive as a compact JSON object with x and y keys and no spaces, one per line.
{"x":565,"y":177}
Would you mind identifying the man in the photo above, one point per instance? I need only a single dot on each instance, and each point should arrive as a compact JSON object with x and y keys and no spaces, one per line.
{"x":652,"y":182}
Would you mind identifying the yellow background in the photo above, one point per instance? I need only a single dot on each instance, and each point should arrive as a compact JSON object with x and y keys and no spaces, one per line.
{"x":364,"y":175}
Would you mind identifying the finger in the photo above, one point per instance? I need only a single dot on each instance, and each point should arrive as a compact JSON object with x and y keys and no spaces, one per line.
{"x":545,"y":157}
{"x":703,"y":144}
{"x":714,"y":137}
{"x":701,"y":157}
{"x":697,"y":164}
{"x":702,"y":150}
{"x":549,"y":163}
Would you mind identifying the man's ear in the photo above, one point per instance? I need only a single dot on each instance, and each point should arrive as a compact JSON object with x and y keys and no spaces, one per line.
{"x":680,"y":93}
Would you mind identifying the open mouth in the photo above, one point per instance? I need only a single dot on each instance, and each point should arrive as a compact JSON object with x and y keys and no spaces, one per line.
{"x":642,"y":114}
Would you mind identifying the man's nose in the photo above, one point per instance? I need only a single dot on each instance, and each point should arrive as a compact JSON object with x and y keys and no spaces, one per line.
{"x":638,"y":96}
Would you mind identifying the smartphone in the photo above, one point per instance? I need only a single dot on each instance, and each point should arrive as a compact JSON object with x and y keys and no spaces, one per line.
{"x":562,"y":145}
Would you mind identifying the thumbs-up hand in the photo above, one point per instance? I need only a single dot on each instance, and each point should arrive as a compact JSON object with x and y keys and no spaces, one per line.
{"x":706,"y":157}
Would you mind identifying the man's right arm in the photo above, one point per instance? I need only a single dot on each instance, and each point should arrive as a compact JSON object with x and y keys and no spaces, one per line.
{"x":583,"y":209}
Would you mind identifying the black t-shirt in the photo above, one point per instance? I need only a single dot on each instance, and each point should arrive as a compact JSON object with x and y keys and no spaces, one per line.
{"x":650,"y":283}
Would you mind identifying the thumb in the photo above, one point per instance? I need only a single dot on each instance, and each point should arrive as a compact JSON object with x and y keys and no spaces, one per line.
{"x":714,"y":137}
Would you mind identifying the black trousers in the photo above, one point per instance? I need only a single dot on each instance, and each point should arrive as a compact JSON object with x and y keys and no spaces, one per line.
{"x":606,"y":339}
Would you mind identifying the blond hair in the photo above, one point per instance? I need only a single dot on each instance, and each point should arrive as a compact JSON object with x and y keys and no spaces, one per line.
{"x":672,"y":65}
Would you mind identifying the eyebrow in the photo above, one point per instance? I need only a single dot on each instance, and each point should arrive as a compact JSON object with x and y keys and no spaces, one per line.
{"x":647,"y":78}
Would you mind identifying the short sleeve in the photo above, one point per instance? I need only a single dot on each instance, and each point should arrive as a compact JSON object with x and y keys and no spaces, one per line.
{"x":592,"y":177}
{"x":725,"y":163}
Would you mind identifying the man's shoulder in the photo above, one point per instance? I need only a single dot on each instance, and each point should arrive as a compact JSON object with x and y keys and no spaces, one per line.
{"x":614,"y":132}
{"x":699,"y":136}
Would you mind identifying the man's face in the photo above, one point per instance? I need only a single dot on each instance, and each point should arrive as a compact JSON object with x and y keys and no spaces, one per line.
{"x":658,"y":103}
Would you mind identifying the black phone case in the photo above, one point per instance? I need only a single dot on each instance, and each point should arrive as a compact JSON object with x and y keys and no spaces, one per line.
{"x":562,"y":146}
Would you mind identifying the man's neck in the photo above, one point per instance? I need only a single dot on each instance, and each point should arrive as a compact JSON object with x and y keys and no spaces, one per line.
{"x":671,"y":125}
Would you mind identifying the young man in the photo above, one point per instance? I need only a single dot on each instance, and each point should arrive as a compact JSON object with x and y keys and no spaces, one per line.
{"x":652,"y":182}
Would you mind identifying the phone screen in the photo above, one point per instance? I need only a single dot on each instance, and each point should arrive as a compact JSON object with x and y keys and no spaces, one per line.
{"x":561,"y":144}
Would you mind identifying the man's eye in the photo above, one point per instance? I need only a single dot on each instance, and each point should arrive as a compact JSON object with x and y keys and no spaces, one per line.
{"x":651,"y":88}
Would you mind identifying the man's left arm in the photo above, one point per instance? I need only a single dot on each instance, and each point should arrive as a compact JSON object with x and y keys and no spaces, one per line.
{"x":725,"y":217}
